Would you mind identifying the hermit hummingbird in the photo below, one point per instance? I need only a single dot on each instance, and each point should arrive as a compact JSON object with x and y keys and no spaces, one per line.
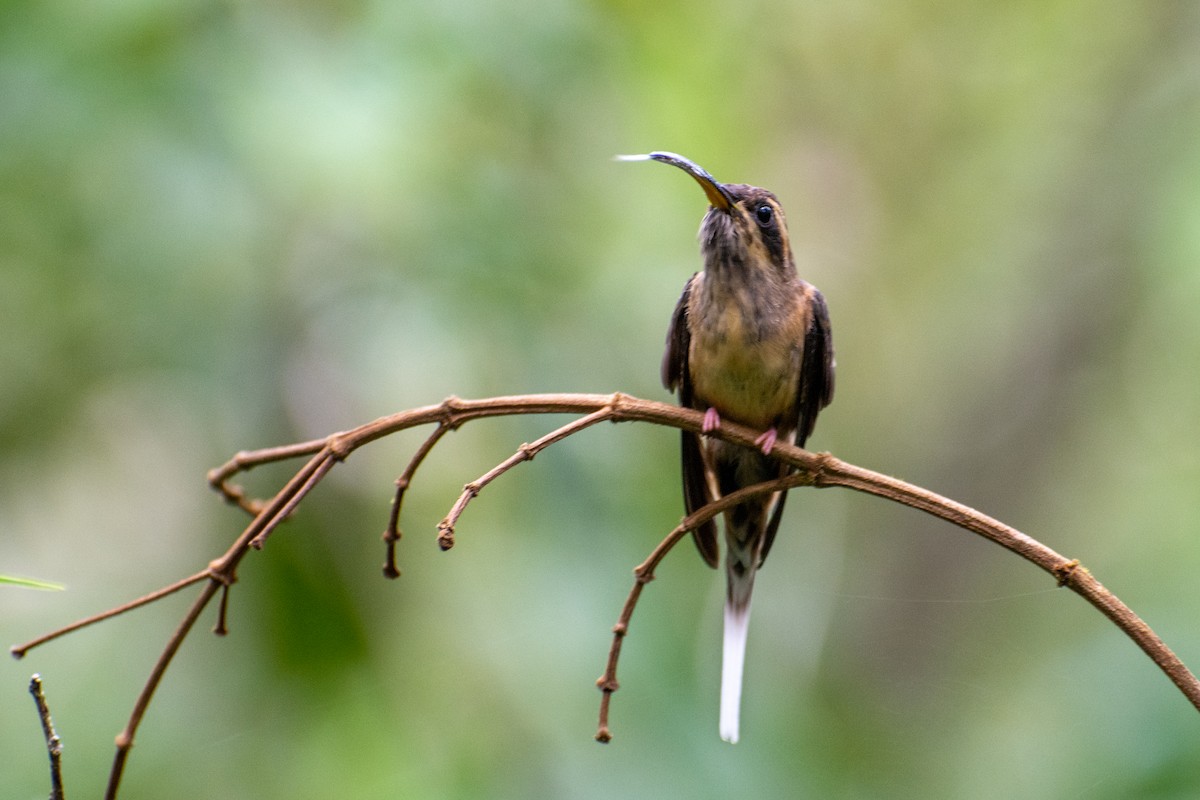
{"x":749,"y":342}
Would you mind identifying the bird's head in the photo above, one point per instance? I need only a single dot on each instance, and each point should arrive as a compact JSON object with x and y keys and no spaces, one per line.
{"x":744,"y":231}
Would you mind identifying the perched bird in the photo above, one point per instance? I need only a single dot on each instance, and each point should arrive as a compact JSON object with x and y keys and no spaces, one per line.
{"x":749,"y":342}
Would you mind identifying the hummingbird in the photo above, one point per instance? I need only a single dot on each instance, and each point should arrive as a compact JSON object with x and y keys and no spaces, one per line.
{"x":749,"y":342}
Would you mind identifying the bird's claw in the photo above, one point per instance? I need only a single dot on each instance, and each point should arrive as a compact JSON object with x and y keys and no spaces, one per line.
{"x":712,"y":421}
{"x":767,"y":441}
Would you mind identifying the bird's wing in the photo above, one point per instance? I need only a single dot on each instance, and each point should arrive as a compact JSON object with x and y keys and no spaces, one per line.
{"x":814,"y":392}
{"x":679,"y":338}
{"x":676,"y":375}
{"x":816,"y":372}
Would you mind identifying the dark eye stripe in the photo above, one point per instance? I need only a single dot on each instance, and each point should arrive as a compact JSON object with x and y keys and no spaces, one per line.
{"x":771,"y":230}
{"x":773,"y":239}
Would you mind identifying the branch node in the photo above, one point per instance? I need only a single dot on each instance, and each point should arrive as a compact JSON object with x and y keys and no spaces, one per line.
{"x":607,"y":685}
{"x":339,"y":446}
{"x":445,"y":538}
{"x":604,"y":736}
{"x":219,"y":572}
{"x":451,"y":409}
{"x":1066,"y":571}
{"x":817,"y":471}
{"x":390,"y":570}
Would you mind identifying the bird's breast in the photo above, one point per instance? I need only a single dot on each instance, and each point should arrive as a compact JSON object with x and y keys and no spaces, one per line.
{"x":746,"y":366}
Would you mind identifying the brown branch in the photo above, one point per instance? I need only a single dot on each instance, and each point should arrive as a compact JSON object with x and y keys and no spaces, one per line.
{"x":53,"y":743}
{"x":125,"y":737}
{"x":525,"y":452}
{"x":312,"y":474}
{"x":19,"y":651}
{"x":1067,"y":572}
{"x":821,"y":470}
{"x":392,"y":534}
{"x":218,"y":478}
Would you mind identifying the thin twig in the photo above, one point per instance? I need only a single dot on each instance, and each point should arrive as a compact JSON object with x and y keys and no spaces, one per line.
{"x":125,"y":737}
{"x":320,"y":466}
{"x":53,"y":743}
{"x":19,"y":651}
{"x":392,"y":534}
{"x":221,"y":570}
{"x":244,"y":461}
{"x":525,"y":452}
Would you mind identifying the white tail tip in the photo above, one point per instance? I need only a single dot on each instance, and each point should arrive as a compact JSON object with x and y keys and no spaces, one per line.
{"x":737,"y":622}
{"x":642,"y":157}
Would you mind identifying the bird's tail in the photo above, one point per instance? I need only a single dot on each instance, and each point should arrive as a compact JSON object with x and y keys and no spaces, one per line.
{"x":749,"y":528}
{"x":740,"y":576}
{"x":737,"y":621}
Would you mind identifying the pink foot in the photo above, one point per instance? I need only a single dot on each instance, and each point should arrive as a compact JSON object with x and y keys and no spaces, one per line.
{"x":712,"y":420}
{"x":767,"y":441}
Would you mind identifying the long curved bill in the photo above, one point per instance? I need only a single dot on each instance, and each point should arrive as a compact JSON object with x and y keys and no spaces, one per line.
{"x":717,"y":194}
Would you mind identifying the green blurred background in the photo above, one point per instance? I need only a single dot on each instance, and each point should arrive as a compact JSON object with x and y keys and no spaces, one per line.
{"x":233,"y":225}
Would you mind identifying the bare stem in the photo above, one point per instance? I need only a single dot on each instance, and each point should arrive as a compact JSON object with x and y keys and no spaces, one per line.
{"x":245,"y":461}
{"x":525,"y":452}
{"x":53,"y":743}
{"x":320,"y":465}
{"x":392,"y":534}
{"x":19,"y":651}
{"x":125,"y":737}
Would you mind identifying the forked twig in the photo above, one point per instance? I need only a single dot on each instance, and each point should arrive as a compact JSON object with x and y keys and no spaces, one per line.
{"x":820,"y":470}
{"x":218,"y":478}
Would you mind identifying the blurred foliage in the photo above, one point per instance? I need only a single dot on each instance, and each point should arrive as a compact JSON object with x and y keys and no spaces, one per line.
{"x":231,"y":225}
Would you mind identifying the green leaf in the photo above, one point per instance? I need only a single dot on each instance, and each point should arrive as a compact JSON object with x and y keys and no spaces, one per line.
{"x":31,"y":583}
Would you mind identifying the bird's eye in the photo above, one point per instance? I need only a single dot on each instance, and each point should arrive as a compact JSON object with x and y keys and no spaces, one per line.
{"x":765,"y":214}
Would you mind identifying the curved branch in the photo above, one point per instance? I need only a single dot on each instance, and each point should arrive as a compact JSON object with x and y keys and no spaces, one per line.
{"x":1067,"y":572}
{"x":817,"y":469}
